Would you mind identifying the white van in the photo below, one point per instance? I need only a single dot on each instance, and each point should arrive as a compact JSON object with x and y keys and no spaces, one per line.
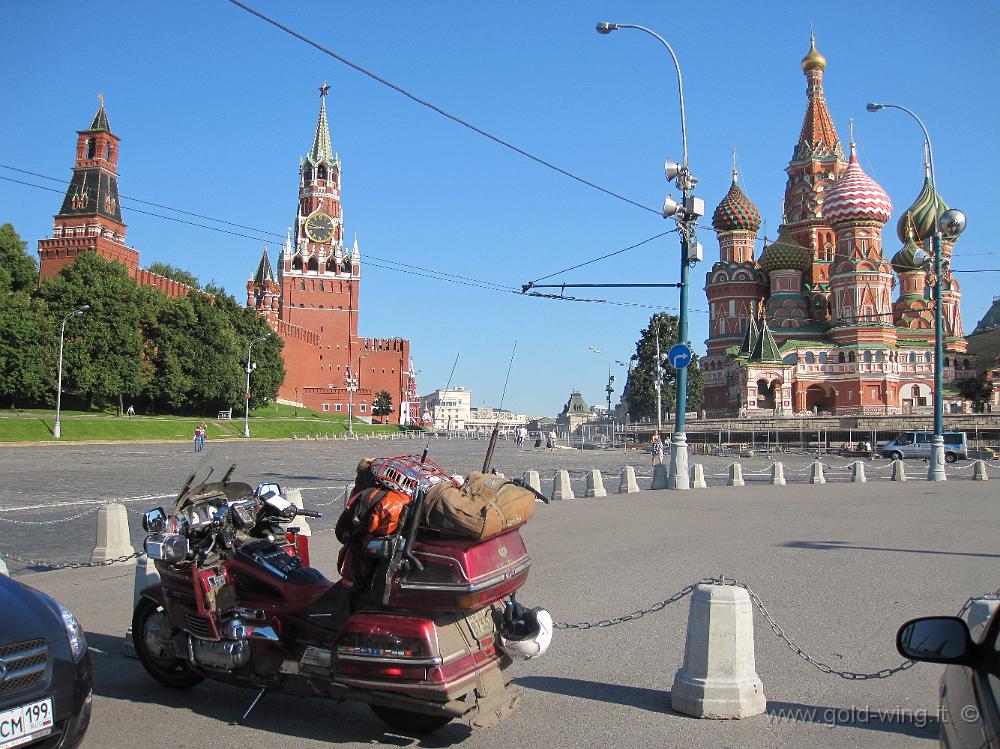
{"x":917,"y":444}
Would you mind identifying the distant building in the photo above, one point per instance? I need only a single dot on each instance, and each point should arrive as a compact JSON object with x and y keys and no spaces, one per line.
{"x":483,"y":419}
{"x":90,"y":219}
{"x":575,"y":413}
{"x":448,"y":409}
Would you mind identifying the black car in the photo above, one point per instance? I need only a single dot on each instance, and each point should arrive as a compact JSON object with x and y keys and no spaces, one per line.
{"x":45,"y":673}
{"x":970,"y":686}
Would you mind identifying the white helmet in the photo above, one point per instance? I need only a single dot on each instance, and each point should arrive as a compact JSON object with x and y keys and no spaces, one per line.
{"x":524,"y":633}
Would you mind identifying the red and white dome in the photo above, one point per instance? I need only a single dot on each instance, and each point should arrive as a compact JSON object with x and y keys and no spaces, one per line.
{"x":856,"y":197}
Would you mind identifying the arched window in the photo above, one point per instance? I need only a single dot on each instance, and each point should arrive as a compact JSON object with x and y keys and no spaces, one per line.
{"x":915,"y":391}
{"x":947,"y":361}
{"x":90,"y":148}
{"x":913,"y":358}
{"x":313,"y":264}
{"x":879,"y":357}
{"x":842,"y":357}
{"x":297,"y":263}
{"x":107,"y":152}
{"x":308,"y":176}
{"x":851,"y":357}
{"x":302,"y":285}
{"x":868,"y":357}
{"x":321,"y":173}
{"x":810,"y":358}
{"x":822,"y":357}
{"x":928,"y":357}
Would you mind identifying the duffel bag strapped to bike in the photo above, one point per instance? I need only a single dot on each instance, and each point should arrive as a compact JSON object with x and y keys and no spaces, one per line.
{"x":485,"y":506}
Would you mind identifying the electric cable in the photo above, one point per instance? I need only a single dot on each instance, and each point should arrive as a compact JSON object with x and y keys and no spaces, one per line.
{"x":433,"y":107}
{"x":604,"y":257}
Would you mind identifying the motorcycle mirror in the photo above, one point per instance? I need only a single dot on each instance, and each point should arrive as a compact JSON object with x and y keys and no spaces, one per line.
{"x":154,"y":521}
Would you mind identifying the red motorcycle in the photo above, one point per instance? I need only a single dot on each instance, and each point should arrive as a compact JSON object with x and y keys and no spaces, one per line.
{"x":425,"y":639}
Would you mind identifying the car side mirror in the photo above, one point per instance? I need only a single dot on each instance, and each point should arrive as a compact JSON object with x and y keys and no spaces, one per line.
{"x":936,"y":639}
{"x":154,"y":521}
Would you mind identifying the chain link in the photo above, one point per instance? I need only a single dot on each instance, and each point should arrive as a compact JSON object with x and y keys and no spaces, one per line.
{"x":50,"y":522}
{"x":682,"y":593}
{"x":36,"y":563}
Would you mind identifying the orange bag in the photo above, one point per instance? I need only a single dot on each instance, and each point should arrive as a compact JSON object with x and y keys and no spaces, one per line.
{"x":384,"y":515}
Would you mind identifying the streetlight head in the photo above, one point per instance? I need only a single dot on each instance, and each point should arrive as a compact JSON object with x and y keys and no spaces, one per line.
{"x":671,"y":169}
{"x":873,"y":107}
{"x":603,"y":27}
{"x":952,"y":222}
{"x":921,"y":258}
{"x":670,"y":207}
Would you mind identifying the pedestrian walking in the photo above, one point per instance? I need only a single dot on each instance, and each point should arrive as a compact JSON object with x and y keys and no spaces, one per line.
{"x":131,"y":411}
{"x":201,"y":438}
{"x":656,"y":449}
{"x":197,"y":439}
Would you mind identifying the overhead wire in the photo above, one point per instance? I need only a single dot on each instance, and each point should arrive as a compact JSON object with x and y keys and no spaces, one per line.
{"x":435,"y":108}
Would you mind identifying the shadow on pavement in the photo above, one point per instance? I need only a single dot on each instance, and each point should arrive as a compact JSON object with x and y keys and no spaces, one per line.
{"x":653,"y":700}
{"x":828,"y":545}
{"x":120,"y":678}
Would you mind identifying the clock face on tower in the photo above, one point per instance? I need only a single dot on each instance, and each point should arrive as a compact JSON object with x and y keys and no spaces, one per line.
{"x":319,"y":227}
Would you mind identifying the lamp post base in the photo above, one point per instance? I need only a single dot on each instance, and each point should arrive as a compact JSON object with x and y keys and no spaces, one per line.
{"x":936,"y":470}
{"x":679,"y":477}
{"x":56,"y":430}
{"x":246,"y":430}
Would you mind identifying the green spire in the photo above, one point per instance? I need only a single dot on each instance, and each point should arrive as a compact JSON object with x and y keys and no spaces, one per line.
{"x":322,"y":149}
{"x":765,"y":349}
{"x":750,"y":338}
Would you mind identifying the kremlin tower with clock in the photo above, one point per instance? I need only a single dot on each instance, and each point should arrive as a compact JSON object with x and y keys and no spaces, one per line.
{"x":312,"y":302}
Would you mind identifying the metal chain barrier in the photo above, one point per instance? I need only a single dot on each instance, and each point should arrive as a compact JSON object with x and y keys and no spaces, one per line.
{"x":682,"y":593}
{"x":50,"y":522}
{"x":36,"y":563}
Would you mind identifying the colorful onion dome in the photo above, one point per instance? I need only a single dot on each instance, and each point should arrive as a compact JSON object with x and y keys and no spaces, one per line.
{"x":917,"y":222}
{"x":785,"y":253}
{"x":856,"y":197}
{"x":903,"y":261}
{"x":813,"y":59}
{"x":736,"y":212}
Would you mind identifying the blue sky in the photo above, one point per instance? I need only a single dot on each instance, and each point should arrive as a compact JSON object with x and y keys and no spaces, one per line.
{"x":215,"y":108}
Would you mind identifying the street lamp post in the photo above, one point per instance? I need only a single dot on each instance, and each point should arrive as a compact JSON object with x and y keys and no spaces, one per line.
{"x":956,"y":223}
{"x":250,"y":368}
{"x":57,"y":427}
{"x":685,"y":215}
{"x":351,"y":383}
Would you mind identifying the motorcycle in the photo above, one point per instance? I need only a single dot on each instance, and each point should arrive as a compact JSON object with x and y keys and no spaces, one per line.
{"x":428,"y":638}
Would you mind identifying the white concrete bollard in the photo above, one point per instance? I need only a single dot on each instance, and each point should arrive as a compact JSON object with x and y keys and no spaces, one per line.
{"x":778,"y":474}
{"x":661,"y":479}
{"x":735,"y":475}
{"x":628,"y":484}
{"x":595,"y":484}
{"x":816,"y":473}
{"x":145,"y":575}
{"x":3,"y":567}
{"x":980,"y":612}
{"x":562,"y":488}
{"x":980,"y":474}
{"x":719,"y":676}
{"x":898,"y":471}
{"x":295,"y":497}
{"x":113,"y":538}
{"x":858,"y":472}
{"x":698,"y":476}
{"x":535,"y":482}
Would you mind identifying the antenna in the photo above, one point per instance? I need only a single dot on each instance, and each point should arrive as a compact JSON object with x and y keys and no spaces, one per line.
{"x":507,"y":378}
{"x":496,"y":426}
{"x":447,"y":387}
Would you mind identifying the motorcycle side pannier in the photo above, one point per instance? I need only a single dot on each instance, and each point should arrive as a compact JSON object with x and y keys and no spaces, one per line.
{"x":485,"y":506}
{"x":461,"y":575}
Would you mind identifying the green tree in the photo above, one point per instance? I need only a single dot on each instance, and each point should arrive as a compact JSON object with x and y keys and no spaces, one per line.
{"x":382,"y":405}
{"x":18,"y":271}
{"x":979,"y":390}
{"x":177,"y":274}
{"x":27,"y":353}
{"x":641,"y":396}
{"x":106,"y":354}
{"x":249,"y":325}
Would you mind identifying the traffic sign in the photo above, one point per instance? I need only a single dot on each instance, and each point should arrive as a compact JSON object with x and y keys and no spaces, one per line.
{"x":679,"y":355}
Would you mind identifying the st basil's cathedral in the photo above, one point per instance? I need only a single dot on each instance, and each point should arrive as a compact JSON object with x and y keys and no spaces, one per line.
{"x":811,"y":326}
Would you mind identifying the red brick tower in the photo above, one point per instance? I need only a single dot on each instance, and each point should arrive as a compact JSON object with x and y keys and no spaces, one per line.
{"x":817,"y":163}
{"x":90,"y":218}
{"x":263,"y":289}
{"x":318,"y":276}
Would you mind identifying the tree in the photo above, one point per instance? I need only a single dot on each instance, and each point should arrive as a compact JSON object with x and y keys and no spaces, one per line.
{"x":382,"y":405}
{"x":979,"y":390}
{"x":18,"y":271}
{"x":249,"y":325}
{"x":177,"y":274}
{"x":641,"y":397}
{"x":27,"y":354}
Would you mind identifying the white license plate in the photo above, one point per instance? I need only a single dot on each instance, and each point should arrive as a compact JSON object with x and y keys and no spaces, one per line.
{"x":25,"y":723}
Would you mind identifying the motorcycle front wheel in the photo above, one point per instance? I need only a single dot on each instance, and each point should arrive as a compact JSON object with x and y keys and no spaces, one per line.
{"x":406,"y":721}
{"x":169,"y":671}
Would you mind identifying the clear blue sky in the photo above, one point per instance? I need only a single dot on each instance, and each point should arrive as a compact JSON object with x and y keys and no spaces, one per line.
{"x":215,"y":108}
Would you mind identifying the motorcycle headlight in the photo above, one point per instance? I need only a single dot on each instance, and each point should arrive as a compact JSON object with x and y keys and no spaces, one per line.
{"x":74,"y":632}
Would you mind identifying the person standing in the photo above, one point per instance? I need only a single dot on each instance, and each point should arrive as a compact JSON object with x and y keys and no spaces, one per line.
{"x":203,"y":429}
{"x":197,"y":439}
{"x":656,"y":448}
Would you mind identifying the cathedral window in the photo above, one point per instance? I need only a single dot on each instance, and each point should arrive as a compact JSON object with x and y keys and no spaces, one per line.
{"x":947,"y":361}
{"x":822,"y":357}
{"x":913,"y":358}
{"x":851,"y":357}
{"x":868,"y":357}
{"x":297,"y":264}
{"x":879,"y":357}
{"x":90,"y":148}
{"x":309,"y":175}
{"x":313,"y":264}
{"x":107,"y":153}
{"x":321,"y":173}
{"x":810,"y":357}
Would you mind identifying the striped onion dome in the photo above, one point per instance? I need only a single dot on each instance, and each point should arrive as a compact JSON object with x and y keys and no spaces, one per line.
{"x":736,"y":212}
{"x":917,"y":221}
{"x":785,"y":253}
{"x":856,"y":197}
{"x":903,"y":261}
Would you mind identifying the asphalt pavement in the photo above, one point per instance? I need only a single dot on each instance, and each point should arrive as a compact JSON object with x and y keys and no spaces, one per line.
{"x":840,"y":567}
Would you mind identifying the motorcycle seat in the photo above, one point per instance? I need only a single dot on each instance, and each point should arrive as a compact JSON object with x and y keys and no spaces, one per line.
{"x":331,"y":609}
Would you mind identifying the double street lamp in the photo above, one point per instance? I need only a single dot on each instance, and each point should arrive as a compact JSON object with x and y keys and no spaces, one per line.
{"x":685,"y":214}
{"x":951,"y":222}
{"x":351,"y":383}
{"x":250,"y":368}
{"x":57,"y":428}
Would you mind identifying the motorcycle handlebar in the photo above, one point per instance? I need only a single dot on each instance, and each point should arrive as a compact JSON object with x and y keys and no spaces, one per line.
{"x":308,"y":514}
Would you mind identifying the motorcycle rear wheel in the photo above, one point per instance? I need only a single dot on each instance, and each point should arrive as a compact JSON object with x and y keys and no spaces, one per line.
{"x":171,"y":672}
{"x":406,"y":721}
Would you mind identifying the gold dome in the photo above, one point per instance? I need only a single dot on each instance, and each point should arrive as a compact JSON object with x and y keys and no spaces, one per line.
{"x":813,"y":59}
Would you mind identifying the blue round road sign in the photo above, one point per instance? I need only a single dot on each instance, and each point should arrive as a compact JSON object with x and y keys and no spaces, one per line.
{"x":679,"y":355}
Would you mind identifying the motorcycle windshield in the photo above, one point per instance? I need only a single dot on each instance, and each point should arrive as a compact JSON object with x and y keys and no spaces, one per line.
{"x":213,"y":472}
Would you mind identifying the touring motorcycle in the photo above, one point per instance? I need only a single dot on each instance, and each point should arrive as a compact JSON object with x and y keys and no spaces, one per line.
{"x":426,"y":639}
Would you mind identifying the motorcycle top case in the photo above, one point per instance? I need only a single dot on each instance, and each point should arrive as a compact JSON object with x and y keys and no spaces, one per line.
{"x":461,"y":574}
